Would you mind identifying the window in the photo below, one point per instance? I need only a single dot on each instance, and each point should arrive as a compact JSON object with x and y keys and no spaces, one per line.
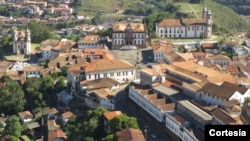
{"x":112,"y":74}
{"x":132,"y":72}
{"x":161,"y":31}
{"x":118,"y":74}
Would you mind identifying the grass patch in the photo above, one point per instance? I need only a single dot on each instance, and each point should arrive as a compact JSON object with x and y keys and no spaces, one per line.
{"x":35,"y":45}
{"x":92,"y":7}
{"x":183,"y":6}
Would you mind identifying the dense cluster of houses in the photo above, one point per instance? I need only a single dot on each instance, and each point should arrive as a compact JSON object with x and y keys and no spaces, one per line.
{"x":37,"y":8}
{"x":183,"y":91}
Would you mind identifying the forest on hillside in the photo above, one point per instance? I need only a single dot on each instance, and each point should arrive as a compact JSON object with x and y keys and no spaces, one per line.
{"x":240,"y":6}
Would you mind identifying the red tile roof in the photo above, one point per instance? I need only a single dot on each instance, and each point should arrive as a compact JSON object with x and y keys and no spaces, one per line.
{"x":130,"y":134}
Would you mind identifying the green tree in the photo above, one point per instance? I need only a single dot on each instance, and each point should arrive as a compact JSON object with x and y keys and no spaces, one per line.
{"x":90,"y":126}
{"x":110,"y":137}
{"x":107,"y":32}
{"x":39,"y":31}
{"x":88,"y":139}
{"x":12,"y":98}
{"x":122,"y":122}
{"x":5,"y":41}
{"x":13,"y":126}
{"x":61,"y":84}
{"x":64,"y":70}
{"x":96,"y":19}
{"x":74,"y":37}
{"x":47,"y":84}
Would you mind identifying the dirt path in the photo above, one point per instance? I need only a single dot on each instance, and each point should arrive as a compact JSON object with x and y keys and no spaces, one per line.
{"x":193,"y":11}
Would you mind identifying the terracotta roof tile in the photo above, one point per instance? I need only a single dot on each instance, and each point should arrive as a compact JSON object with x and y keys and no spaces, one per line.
{"x":67,"y":115}
{"x":111,"y":114}
{"x":158,"y":46}
{"x":100,"y":83}
{"x":179,"y":118}
{"x":52,"y":125}
{"x":25,"y":114}
{"x":56,"y":134}
{"x":209,"y":45}
{"x":136,"y":27}
{"x":180,"y":22}
{"x":224,"y":91}
{"x":103,"y":65}
{"x":130,"y":134}
{"x":104,"y":93}
{"x":92,"y":39}
{"x":223,"y":116}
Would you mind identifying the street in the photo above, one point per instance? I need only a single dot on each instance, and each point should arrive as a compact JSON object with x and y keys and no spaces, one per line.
{"x":151,"y":133}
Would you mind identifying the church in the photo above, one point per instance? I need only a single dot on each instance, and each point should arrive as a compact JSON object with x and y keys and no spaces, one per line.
{"x":186,"y":28}
{"x":21,"y":42}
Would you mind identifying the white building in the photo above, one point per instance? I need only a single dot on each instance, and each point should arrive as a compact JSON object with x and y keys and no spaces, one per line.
{"x":180,"y":126}
{"x":186,"y":28}
{"x":213,"y":94}
{"x":22,"y":42}
{"x":92,"y":41}
{"x":33,"y":71}
{"x":121,"y":70}
{"x":149,"y":76}
{"x":219,"y":59}
{"x":150,"y":102}
{"x":46,"y":52}
{"x":25,"y":116}
{"x":128,"y":35}
{"x":193,"y":114}
{"x":160,"y":49}
{"x":101,"y":98}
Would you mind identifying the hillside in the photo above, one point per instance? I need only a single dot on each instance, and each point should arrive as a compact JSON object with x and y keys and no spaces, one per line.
{"x":226,"y":17}
{"x":239,"y":6}
{"x":223,"y":16}
{"x":91,"y":7}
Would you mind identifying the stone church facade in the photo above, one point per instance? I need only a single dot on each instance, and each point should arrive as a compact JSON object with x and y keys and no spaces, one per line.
{"x":22,"y":42}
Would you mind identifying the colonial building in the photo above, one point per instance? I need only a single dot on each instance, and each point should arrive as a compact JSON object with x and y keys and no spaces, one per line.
{"x":149,"y":76}
{"x":160,"y":49}
{"x":151,"y":102}
{"x":121,"y":70}
{"x":92,"y":41}
{"x":213,"y":94}
{"x":220,"y":117}
{"x":186,"y":28}
{"x":21,"y":42}
{"x":180,"y":126}
{"x":127,"y":35}
{"x":193,"y":114}
{"x":103,"y":97}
